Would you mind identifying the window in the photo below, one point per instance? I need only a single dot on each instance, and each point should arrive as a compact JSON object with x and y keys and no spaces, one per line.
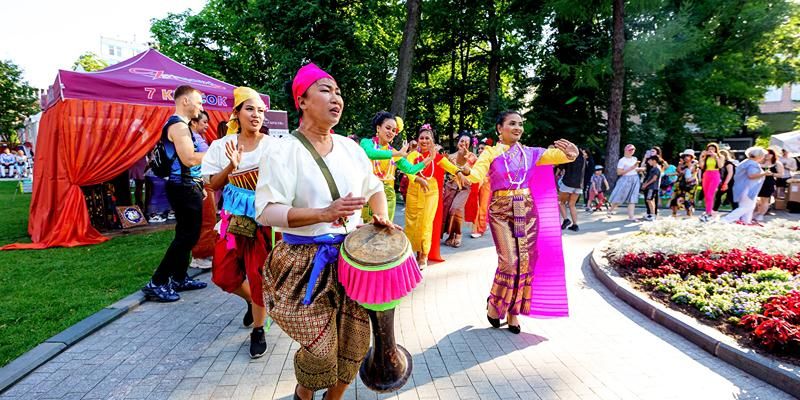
{"x":773,"y":94}
{"x":796,"y":92}
{"x":110,"y":50}
{"x":119,"y":51}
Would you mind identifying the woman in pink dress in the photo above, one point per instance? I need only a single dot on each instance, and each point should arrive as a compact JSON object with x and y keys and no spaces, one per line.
{"x":514,"y":218}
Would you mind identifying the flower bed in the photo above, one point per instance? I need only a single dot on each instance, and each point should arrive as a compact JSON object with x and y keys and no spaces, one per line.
{"x":743,"y":279}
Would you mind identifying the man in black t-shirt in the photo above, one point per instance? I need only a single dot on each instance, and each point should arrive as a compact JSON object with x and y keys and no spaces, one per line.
{"x":570,"y":187}
{"x":650,"y":187}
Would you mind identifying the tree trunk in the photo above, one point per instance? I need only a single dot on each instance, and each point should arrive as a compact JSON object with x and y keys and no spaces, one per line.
{"x":494,"y":60}
{"x":462,"y":92}
{"x":617,"y":84}
{"x":406,"y":57}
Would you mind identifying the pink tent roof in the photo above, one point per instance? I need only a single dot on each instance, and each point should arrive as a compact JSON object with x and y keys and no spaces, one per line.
{"x":148,"y":78}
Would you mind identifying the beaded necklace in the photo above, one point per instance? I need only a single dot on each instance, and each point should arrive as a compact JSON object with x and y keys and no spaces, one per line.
{"x":433,"y":167}
{"x":376,"y":164}
{"x":506,"y":156}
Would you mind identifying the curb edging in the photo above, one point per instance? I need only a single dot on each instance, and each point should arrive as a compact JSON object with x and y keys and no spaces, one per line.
{"x":23,"y":365}
{"x":707,"y":338}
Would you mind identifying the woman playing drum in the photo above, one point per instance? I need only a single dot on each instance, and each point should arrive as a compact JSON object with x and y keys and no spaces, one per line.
{"x":296,"y":192}
{"x":513,"y":214}
{"x":239,"y":254}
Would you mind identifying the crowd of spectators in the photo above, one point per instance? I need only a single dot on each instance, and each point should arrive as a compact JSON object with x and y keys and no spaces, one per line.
{"x":707,"y":178}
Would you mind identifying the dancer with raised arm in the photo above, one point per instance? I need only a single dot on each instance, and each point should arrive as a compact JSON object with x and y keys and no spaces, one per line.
{"x":514,"y":215}
{"x":386,"y":160}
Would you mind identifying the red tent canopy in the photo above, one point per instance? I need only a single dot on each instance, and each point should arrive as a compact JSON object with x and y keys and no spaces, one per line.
{"x":97,"y":125}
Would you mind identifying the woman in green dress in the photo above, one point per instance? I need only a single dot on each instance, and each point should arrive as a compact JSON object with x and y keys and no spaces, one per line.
{"x":386,"y":160}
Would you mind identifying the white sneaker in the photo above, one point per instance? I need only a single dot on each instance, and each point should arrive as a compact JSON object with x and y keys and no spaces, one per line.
{"x":171,"y":215}
{"x":475,"y":235}
{"x":649,"y":218}
{"x":201,"y":263}
{"x":156,"y":219}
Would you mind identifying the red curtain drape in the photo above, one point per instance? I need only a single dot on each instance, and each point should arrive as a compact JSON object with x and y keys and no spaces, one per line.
{"x":80,"y":143}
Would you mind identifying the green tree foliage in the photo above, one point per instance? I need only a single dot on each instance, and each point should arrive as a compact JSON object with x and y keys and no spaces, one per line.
{"x":716,"y":60}
{"x":89,"y":62}
{"x":262,"y":43}
{"x":17,"y":100}
{"x":692,"y":69}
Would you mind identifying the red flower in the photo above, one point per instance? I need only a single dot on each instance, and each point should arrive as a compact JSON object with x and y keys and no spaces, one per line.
{"x":779,"y":324}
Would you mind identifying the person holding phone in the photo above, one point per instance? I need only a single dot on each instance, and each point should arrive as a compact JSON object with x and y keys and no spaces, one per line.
{"x":710,"y":164}
{"x":386,"y":160}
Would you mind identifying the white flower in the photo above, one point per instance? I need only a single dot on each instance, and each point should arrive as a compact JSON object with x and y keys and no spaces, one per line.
{"x":673,"y":236}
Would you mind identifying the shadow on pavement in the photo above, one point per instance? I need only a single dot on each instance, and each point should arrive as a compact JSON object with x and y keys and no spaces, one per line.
{"x":691,"y":350}
{"x":462,"y":354}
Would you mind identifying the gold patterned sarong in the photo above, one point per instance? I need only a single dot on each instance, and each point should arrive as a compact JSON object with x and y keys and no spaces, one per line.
{"x":333,"y":331}
{"x":512,"y":219}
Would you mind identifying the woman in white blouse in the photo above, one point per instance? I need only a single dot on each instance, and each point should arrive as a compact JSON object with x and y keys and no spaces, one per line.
{"x":239,"y":254}
{"x":301,"y":288}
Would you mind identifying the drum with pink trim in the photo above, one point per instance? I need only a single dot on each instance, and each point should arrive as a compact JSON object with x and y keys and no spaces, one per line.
{"x":377,"y":268}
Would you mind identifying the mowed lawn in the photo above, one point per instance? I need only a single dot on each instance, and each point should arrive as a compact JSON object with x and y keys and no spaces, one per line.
{"x":43,"y":292}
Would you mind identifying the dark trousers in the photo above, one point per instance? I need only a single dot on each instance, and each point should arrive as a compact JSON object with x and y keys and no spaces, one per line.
{"x":728,"y":198}
{"x":187,"y":202}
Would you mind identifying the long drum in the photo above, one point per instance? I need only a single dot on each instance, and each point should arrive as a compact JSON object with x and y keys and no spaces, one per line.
{"x":245,"y":179}
{"x":377,"y":269}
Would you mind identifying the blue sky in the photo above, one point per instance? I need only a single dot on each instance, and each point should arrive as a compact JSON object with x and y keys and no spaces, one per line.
{"x":43,"y":36}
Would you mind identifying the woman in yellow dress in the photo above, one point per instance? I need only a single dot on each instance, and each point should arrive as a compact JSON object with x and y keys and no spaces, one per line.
{"x":424,"y":198}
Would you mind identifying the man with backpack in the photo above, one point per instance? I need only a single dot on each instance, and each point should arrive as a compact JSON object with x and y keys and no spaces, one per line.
{"x":177,"y":158}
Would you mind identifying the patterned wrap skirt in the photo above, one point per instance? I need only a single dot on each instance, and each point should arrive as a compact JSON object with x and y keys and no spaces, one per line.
{"x":455,"y":202}
{"x":333,"y":331}
{"x":513,"y":221}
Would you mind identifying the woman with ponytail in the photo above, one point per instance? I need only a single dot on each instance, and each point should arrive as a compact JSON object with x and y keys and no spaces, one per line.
{"x":386,"y":160}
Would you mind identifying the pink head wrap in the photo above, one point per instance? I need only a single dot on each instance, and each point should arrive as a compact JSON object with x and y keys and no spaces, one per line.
{"x":629,"y":147}
{"x":305,"y":77}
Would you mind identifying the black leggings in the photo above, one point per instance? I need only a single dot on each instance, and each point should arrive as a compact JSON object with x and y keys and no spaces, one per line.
{"x":187,"y":202}
{"x":728,"y":198}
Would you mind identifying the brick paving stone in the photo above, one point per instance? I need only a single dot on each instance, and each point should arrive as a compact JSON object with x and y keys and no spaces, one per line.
{"x":197,"y":349}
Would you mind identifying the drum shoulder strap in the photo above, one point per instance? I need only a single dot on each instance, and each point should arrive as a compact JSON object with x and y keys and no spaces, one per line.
{"x":321,"y":163}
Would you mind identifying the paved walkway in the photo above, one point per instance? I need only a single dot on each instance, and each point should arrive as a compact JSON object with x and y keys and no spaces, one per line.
{"x":197,"y":348}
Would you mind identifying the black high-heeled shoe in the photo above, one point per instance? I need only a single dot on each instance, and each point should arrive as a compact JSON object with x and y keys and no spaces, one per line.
{"x":494,"y":321}
{"x":515,"y":329}
{"x":296,"y":397}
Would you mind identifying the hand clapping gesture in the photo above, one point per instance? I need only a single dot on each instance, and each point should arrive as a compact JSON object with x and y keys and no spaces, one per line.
{"x":234,"y":154}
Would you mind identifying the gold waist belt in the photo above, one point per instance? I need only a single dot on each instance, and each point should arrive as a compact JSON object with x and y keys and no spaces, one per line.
{"x":511,"y":193}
